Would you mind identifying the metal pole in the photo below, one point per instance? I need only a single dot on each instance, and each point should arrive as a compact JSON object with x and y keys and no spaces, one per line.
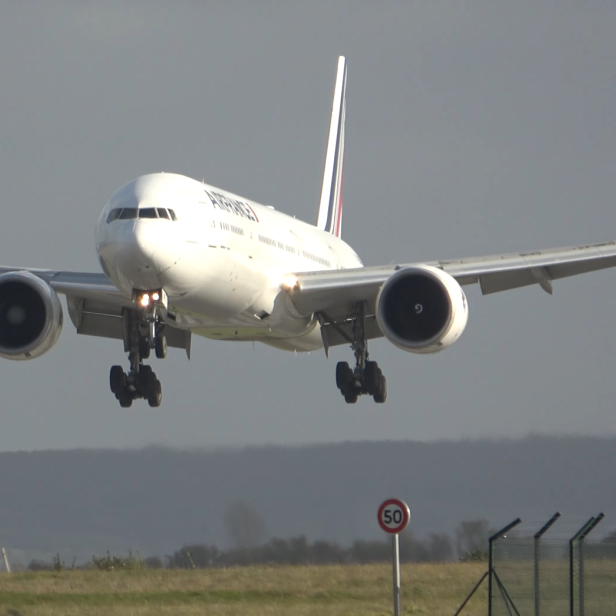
{"x":490,"y":574}
{"x":583,"y":536}
{"x":491,"y":540}
{"x":581,"y":578}
{"x":483,"y":577}
{"x":537,"y":539}
{"x":590,"y":524}
{"x":537,"y":582}
{"x":395,"y":544}
{"x":6,"y":561}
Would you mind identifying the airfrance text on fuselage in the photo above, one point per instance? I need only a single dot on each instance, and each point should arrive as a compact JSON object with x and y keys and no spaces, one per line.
{"x":233,"y":206}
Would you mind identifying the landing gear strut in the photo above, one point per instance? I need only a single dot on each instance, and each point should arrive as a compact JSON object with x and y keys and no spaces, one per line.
{"x":367,"y":378}
{"x":143,"y":331}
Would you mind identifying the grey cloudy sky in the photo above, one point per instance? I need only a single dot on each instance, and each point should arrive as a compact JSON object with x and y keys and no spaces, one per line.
{"x":471,"y":129}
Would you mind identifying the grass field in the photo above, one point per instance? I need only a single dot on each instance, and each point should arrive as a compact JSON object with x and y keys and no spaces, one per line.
{"x":436,"y":590}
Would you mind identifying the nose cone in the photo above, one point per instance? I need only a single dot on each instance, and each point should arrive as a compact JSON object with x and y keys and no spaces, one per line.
{"x":146,"y":242}
{"x":136,"y":252}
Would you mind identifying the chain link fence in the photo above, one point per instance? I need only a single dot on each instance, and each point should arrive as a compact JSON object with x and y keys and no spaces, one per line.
{"x":551,"y":572}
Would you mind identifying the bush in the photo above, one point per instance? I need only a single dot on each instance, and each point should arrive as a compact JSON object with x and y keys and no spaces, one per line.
{"x":115,"y":563}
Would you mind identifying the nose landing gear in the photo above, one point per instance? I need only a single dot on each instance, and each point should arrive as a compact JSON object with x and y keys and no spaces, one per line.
{"x":367,"y":378}
{"x":143,"y":331}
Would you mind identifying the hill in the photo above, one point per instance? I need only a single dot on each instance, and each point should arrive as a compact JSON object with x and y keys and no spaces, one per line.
{"x":154,"y":500}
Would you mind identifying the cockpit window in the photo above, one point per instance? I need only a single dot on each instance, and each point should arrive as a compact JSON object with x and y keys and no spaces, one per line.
{"x":148,"y":212}
{"x":114,"y":214}
{"x":128,"y":213}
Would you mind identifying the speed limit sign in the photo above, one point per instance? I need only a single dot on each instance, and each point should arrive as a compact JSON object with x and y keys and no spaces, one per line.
{"x":394,"y":515}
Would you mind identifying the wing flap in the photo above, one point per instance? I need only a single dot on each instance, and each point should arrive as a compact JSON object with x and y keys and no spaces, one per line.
{"x":96,"y":318}
{"x":336,"y":332}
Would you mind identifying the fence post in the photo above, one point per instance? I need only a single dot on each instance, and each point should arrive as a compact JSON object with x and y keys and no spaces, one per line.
{"x":575,"y":537}
{"x":583,"y":536}
{"x":6,"y":561}
{"x":491,"y":541}
{"x":537,"y":538}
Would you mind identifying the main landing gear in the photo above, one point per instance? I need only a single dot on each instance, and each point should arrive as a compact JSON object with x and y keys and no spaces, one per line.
{"x":143,"y":331}
{"x":367,"y":378}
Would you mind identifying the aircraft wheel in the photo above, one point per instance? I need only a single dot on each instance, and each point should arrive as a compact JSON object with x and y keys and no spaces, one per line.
{"x":381,"y":395}
{"x":161,"y":346}
{"x":146,"y":380}
{"x":350,"y":398}
{"x":126,"y":400}
{"x":372,"y":377}
{"x":117,"y":379}
{"x":344,"y":374}
{"x":156,"y":396}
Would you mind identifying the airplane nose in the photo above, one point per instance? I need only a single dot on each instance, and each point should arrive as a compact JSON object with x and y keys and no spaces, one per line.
{"x":132,"y":254}
{"x":146,"y":241}
{"x":137,"y":254}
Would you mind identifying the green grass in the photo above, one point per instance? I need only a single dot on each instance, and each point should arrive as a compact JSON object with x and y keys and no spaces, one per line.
{"x":435,"y":590}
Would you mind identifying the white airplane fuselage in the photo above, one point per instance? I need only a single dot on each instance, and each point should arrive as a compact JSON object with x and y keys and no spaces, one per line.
{"x":221,"y":262}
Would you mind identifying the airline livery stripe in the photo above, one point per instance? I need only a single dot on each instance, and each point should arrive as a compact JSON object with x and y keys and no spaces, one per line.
{"x":330,"y":208}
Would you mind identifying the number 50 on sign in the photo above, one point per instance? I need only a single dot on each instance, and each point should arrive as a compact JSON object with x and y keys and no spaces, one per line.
{"x":393,"y":516}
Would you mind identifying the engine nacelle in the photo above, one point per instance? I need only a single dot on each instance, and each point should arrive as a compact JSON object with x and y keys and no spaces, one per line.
{"x":30,"y":316}
{"x":421,"y":309}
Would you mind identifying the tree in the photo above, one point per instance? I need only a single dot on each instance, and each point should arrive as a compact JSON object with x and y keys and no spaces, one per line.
{"x":472,"y":536}
{"x":244,"y":525}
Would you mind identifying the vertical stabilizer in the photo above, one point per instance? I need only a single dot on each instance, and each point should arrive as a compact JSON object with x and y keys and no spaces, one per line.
{"x":330,"y":208}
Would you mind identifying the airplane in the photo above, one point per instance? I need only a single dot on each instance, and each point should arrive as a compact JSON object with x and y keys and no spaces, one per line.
{"x":181,"y":257}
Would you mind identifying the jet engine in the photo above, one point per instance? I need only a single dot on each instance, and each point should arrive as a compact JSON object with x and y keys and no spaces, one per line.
{"x":30,"y":316}
{"x":421,"y":309}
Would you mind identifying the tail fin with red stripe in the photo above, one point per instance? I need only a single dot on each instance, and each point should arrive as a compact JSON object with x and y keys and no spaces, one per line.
{"x":330,"y":207}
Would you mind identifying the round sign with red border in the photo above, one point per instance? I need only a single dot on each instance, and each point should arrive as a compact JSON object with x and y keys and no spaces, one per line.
{"x":394,"y":516}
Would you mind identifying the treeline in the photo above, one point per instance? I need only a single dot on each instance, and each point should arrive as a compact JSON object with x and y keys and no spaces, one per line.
{"x":300,"y":551}
{"x":470,"y":543}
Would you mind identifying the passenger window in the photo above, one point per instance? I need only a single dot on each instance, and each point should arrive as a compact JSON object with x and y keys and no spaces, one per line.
{"x":148,"y":212}
{"x":162,"y":213}
{"x":128,"y":213}
{"x":173,"y":216}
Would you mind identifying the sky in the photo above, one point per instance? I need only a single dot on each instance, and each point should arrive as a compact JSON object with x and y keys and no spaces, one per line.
{"x":471,"y":128}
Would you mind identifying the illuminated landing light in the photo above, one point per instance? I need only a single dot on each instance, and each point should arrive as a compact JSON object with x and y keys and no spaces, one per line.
{"x":289,"y":282}
{"x":148,"y":299}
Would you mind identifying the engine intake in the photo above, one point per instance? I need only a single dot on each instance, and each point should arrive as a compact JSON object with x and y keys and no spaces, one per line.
{"x":30,"y":316}
{"x":421,"y":309}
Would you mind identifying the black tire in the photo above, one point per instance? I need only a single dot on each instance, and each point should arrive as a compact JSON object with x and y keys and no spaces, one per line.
{"x":381,"y":395}
{"x":117,"y":379}
{"x":161,"y":346}
{"x":350,"y":398}
{"x":156,"y":398}
{"x":126,"y":401}
{"x":343,"y":375}
{"x":372,"y":377}
{"x":144,"y":348}
{"x":146,"y":380}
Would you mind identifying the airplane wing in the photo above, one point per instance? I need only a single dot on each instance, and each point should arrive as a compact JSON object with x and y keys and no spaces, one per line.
{"x":331,"y":293}
{"x":95,"y":305}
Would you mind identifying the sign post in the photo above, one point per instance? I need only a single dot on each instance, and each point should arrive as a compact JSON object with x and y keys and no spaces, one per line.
{"x":393,"y":516}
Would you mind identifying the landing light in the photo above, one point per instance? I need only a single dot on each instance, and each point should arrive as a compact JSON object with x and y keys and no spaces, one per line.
{"x":289,"y":282}
{"x":147,"y":299}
